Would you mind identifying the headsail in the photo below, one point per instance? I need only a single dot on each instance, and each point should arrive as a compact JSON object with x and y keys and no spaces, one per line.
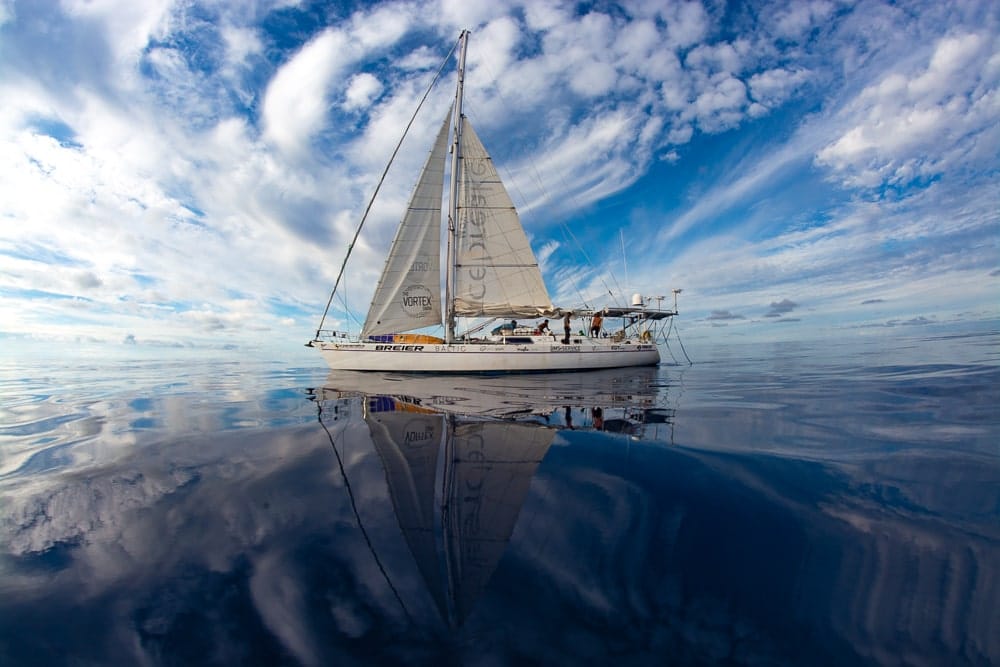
{"x":408,"y":295}
{"x":496,"y":273}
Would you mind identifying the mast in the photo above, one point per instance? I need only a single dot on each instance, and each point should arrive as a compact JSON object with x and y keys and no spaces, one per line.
{"x":449,"y":283}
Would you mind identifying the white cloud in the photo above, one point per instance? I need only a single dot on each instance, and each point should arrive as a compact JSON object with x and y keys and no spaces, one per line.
{"x":461,"y":14}
{"x":715,"y":59}
{"x":687,"y":23}
{"x":7,"y":13}
{"x":361,"y":90}
{"x":772,"y":87}
{"x":127,"y":25}
{"x":799,"y":18}
{"x":593,"y":79}
{"x":919,"y":124}
{"x":721,"y":106}
{"x":544,"y":15}
{"x":295,"y":104}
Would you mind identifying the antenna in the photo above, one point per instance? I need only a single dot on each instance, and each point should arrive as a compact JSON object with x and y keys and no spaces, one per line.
{"x":621,"y":237}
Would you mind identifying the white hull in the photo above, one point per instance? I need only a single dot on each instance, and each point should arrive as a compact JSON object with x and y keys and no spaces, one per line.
{"x":488,"y":357}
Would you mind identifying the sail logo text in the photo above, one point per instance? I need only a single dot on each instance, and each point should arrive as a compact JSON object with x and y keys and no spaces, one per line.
{"x":475,"y":236}
{"x":422,"y":301}
{"x":418,"y":431}
{"x":412,"y":437}
{"x":399,"y":348}
{"x":418,"y":302}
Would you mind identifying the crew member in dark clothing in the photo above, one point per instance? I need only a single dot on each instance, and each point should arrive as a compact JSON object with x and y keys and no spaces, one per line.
{"x":566,"y":326}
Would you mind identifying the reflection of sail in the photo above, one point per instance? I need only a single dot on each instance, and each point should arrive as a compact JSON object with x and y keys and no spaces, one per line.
{"x":487,"y":471}
{"x":408,"y":440}
{"x":491,"y":466}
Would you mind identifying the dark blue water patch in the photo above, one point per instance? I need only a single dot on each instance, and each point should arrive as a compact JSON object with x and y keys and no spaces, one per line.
{"x":141,"y":404}
{"x":205,"y":617}
{"x":48,"y":561}
{"x":41,"y":425}
{"x":700,"y":571}
{"x":47,"y":459}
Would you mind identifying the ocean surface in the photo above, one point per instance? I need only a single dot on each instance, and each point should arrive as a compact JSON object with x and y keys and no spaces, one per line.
{"x":828,"y":503}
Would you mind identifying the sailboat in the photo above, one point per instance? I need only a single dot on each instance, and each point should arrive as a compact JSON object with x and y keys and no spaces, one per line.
{"x":490,"y":273}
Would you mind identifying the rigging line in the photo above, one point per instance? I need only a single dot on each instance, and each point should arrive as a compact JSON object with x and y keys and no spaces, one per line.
{"x":666,"y":340}
{"x":347,"y":310}
{"x":357,"y":515}
{"x":378,"y":187}
{"x":677,"y":331}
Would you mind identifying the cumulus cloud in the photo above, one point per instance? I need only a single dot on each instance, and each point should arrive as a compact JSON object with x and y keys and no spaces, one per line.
{"x":361,"y":90}
{"x":798,"y":18}
{"x":916,"y":124}
{"x":772,"y":87}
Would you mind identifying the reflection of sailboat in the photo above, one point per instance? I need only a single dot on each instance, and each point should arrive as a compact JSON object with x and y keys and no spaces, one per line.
{"x":486,"y":466}
{"x":459,"y":453}
{"x":508,"y":396}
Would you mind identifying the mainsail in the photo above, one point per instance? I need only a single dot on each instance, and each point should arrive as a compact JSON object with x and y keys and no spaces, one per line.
{"x":496,"y":273}
{"x":408,"y":295}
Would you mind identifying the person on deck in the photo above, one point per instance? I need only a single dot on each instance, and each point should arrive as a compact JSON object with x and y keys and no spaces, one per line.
{"x":544,"y":327}
{"x":566,"y":326}
{"x":595,"y":325}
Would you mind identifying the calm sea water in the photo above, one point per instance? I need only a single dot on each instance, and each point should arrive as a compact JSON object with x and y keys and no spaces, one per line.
{"x":778,"y":504}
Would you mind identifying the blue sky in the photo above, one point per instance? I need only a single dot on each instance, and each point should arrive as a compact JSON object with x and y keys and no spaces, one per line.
{"x":188,"y":174}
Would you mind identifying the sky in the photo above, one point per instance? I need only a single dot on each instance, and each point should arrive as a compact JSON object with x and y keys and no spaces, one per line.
{"x":188,"y":175}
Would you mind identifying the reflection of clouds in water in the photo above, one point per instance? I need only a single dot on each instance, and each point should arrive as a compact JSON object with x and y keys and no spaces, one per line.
{"x":70,"y":416}
{"x":135,"y":530}
{"x":633,"y":572}
{"x":729,"y":553}
{"x":279,"y":598}
{"x":621,"y":548}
